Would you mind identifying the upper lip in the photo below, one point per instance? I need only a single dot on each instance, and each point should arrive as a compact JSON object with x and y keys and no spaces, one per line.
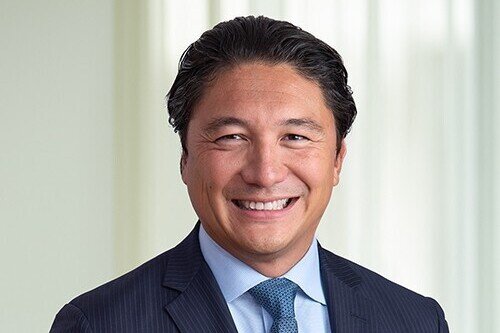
{"x":265,"y":199}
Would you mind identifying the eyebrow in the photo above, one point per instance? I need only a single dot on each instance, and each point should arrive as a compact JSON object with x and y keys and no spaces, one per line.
{"x":218,"y":123}
{"x":304,"y":122}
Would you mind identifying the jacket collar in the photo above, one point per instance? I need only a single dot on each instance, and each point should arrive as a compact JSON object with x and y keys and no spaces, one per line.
{"x":348,"y":311}
{"x":196,"y":304}
{"x":194,"y":300}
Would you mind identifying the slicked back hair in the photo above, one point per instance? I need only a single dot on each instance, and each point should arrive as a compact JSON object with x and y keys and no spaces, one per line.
{"x":262,"y":40}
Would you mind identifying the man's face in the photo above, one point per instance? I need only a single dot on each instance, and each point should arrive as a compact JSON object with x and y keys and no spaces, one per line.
{"x":261,"y":161}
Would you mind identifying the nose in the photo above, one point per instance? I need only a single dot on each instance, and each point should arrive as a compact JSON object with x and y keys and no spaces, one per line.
{"x":264,"y":166}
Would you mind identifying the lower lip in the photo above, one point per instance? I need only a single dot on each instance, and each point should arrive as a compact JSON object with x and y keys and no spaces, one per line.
{"x":266,"y":214}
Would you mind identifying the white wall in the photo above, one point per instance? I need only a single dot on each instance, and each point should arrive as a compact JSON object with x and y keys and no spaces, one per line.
{"x":56,"y":140}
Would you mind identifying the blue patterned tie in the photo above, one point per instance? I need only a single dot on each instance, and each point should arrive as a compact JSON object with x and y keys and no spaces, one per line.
{"x":277,"y":297}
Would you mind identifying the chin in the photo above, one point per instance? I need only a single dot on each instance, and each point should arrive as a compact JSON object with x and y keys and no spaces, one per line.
{"x":268,"y":245}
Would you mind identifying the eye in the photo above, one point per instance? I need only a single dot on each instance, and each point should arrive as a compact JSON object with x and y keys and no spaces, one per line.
{"x":230,"y":137}
{"x":295,"y":137}
{"x":230,"y":140}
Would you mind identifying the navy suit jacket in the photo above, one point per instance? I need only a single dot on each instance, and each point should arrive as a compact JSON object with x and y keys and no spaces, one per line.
{"x":177,"y":292}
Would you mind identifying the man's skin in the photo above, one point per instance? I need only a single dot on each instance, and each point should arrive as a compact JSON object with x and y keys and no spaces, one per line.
{"x":262,"y":133}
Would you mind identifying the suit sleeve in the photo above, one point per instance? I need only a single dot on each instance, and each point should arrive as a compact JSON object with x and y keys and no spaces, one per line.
{"x":70,"y":319}
{"x":442,"y":324}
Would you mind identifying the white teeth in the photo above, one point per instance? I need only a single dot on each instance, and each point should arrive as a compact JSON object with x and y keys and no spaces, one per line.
{"x":259,"y":205}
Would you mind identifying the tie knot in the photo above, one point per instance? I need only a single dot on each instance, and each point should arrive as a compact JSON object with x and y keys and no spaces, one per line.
{"x":276,"y":296}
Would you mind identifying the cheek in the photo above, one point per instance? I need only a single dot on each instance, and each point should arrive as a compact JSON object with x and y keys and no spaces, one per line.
{"x":215,"y":169}
{"x":315,"y":168}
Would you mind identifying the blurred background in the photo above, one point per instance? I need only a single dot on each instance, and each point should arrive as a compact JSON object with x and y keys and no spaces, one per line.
{"x":89,"y":176}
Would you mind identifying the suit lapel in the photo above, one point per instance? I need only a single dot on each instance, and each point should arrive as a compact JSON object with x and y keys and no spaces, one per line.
{"x":196,"y":304}
{"x":348,"y":311}
{"x":194,"y":299}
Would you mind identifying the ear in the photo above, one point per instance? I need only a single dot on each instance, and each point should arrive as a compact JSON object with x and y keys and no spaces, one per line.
{"x":182,"y":166}
{"x":339,"y":159}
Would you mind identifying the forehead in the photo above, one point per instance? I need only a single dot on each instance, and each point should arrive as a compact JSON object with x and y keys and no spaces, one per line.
{"x":257,"y":91}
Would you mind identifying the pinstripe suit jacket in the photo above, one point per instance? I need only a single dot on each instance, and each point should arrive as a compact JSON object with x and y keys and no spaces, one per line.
{"x":176,"y":292}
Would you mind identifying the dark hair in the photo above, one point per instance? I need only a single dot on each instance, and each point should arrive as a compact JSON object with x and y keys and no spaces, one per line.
{"x":259,"y":39}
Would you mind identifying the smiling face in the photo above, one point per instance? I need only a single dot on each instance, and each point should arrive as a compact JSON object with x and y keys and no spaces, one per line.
{"x":261,"y":163}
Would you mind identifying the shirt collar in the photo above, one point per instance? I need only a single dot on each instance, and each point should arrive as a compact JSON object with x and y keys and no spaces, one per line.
{"x":307,"y":275}
{"x":235,"y":277}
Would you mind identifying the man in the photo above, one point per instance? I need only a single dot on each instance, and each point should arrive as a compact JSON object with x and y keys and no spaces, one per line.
{"x":262,"y":108}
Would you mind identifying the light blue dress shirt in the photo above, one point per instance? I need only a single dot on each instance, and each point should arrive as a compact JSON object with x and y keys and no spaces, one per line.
{"x":235,"y":278}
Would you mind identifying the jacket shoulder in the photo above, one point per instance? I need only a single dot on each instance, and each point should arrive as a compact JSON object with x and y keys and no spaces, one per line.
{"x":136,"y":301}
{"x":122,"y":304}
{"x":395,"y":305}
{"x":142,"y":281}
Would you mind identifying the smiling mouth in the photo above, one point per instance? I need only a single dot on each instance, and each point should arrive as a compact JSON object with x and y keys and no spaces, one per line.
{"x":279,"y":204}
